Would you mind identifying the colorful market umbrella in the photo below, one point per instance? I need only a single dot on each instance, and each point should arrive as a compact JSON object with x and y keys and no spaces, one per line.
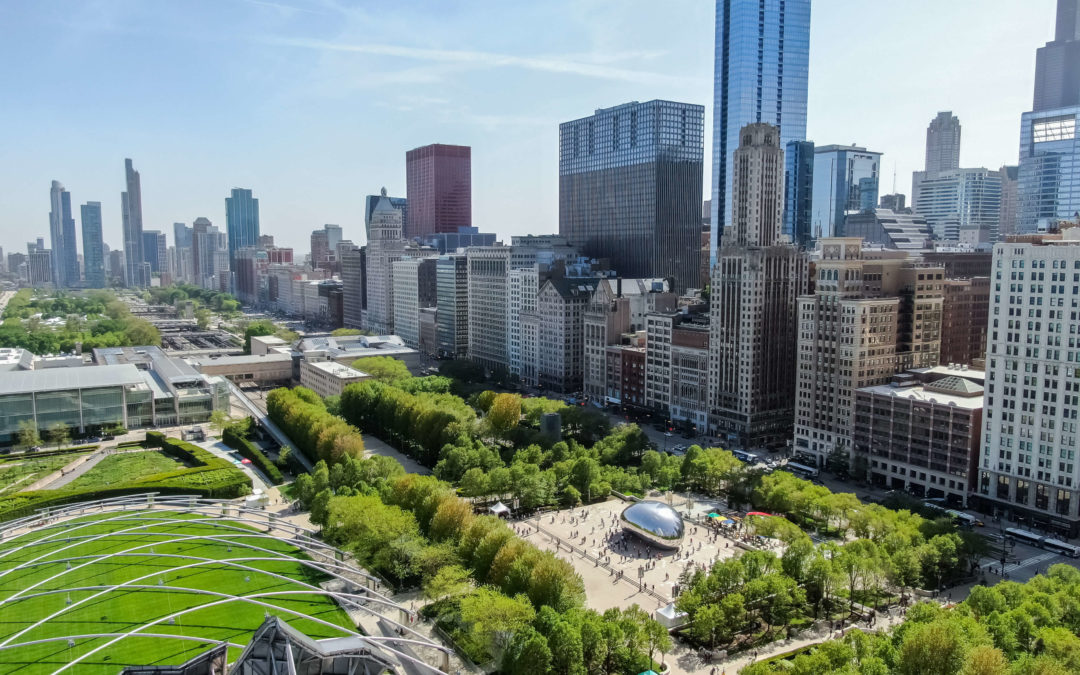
{"x":760,"y":513}
{"x":714,"y":515}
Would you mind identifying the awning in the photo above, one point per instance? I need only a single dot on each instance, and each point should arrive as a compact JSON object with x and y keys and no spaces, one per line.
{"x":714,"y":515}
{"x":499,"y":509}
{"x":727,"y":521}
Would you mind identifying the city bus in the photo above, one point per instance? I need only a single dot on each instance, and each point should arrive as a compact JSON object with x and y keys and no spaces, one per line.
{"x":746,"y":457}
{"x":802,"y":470}
{"x":1058,"y":546}
{"x":962,"y":519}
{"x":1029,"y":538}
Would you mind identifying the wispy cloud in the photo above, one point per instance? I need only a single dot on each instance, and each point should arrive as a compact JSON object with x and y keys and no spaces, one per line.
{"x":283,"y":7}
{"x":477,"y":59}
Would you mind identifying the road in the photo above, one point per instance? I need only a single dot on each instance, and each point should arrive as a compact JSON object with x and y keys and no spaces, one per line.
{"x":258,"y":480}
{"x":5,"y":298}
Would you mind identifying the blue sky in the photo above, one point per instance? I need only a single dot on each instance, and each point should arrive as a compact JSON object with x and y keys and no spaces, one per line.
{"x":313,"y":103}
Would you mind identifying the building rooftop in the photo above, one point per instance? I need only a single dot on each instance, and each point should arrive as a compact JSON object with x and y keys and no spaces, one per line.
{"x":61,"y":379}
{"x":241,"y":360}
{"x":337,"y":369}
{"x":927,"y":394}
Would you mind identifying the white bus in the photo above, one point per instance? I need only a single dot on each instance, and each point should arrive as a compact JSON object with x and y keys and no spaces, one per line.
{"x":1058,"y":546}
{"x":802,"y":470}
{"x":964,"y":519}
{"x":746,"y":457}
{"x":1029,"y":538}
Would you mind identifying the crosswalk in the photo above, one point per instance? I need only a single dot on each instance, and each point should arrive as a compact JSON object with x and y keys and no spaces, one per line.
{"x":1020,"y":564}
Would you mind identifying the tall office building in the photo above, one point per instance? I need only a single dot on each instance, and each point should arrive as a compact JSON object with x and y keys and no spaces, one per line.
{"x":630,"y":188}
{"x":399,"y":203}
{"x":324,"y":245}
{"x":385,"y":246}
{"x":756,"y":282}
{"x":845,"y":182}
{"x":438,"y":187}
{"x":39,"y":267}
{"x":65,"y":262}
{"x":93,"y":245}
{"x":210,"y":258}
{"x":962,"y":205}
{"x":241,"y":221}
{"x":1049,"y":179}
{"x":156,"y":251}
{"x":353,"y":286}
{"x":183,"y":255}
{"x":943,"y":143}
{"x":762,"y":62}
{"x":135,"y":273}
{"x":414,"y":290}
{"x":1010,"y":197}
{"x":1057,"y":65}
{"x":487,"y":273}
{"x":865,"y":321}
{"x":1029,"y":470}
{"x":799,"y":192}
{"x":452,"y":291}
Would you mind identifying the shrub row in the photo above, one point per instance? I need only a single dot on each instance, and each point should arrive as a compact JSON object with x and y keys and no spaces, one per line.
{"x":318,"y":433}
{"x":234,"y":437}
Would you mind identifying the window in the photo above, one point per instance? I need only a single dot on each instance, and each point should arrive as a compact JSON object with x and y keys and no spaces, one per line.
{"x":1054,"y":129}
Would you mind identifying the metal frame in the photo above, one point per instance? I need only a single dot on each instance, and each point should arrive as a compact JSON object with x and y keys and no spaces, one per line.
{"x":207,"y":511}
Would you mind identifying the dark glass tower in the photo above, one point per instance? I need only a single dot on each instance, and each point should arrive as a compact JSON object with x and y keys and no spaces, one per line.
{"x":630,"y":184}
{"x":241,"y":221}
{"x":65,"y":254}
{"x":761,"y":70}
{"x":136,"y":273}
{"x":438,"y":186}
{"x":799,"y":191}
{"x":1057,"y":65}
{"x":93,"y":245}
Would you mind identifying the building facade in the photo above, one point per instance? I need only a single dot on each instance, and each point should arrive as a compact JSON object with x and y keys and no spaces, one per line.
{"x":328,"y":378}
{"x":761,"y":68}
{"x":156,"y":251}
{"x":630,"y":190}
{"x":845,"y":182}
{"x":241,"y":221}
{"x":414,"y":290}
{"x":560,"y":309}
{"x":962,"y":205}
{"x":452,"y":290}
{"x":487,"y":273}
{"x":136,"y":274}
{"x":353,"y":286}
{"x":93,"y":245}
{"x":65,"y":251}
{"x":385,"y":246}
{"x":943,"y":144}
{"x":799,"y":192}
{"x":438,"y":184}
{"x":1028,"y":470}
{"x":964,"y":318}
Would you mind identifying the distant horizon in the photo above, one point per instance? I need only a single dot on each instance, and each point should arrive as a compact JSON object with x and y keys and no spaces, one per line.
{"x":312,"y":104}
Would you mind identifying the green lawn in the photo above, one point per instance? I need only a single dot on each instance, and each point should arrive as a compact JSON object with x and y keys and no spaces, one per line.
{"x":116,"y":611}
{"x":22,"y":470}
{"x":125,"y":467}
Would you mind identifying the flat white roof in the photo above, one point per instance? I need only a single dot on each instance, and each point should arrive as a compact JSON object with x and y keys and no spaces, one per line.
{"x":917,"y":393}
{"x":61,"y":379}
{"x":336,"y":369}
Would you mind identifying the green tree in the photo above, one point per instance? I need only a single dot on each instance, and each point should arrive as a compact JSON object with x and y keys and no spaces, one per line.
{"x":449,"y":581}
{"x":493,"y":618}
{"x":257,"y":329}
{"x":219,"y":419}
{"x":529,"y":654}
{"x":566,"y":649}
{"x":504,"y":414}
{"x":59,"y":433}
{"x":202,"y":320}
{"x":985,"y":660}
{"x":383,"y":368}
{"x":28,"y":434}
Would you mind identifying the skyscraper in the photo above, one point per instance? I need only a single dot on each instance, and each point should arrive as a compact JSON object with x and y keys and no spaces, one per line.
{"x":399,"y":203}
{"x":135,"y":274}
{"x":943,"y":143}
{"x":761,"y":67}
{"x":845,"y":181}
{"x":184,"y":255}
{"x":65,"y":254}
{"x":962,"y":205}
{"x":385,"y":246}
{"x":799,"y":191}
{"x":241,"y":221}
{"x":438,"y":186}
{"x":93,"y":245}
{"x":1049,"y":179}
{"x":155,"y":251}
{"x":630,"y":188}
{"x":756,"y":282}
{"x":1057,"y":64}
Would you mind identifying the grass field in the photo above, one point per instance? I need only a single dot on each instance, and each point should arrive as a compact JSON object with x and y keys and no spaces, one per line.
{"x":124,"y":467}
{"x":148,"y":542}
{"x":23,"y":470}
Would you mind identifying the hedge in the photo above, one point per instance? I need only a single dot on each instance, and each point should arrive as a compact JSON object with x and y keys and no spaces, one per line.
{"x":209,"y":476}
{"x":236,"y":440}
{"x":47,"y":453}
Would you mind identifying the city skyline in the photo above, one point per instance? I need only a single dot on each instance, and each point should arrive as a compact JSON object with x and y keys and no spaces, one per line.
{"x":314,"y":162}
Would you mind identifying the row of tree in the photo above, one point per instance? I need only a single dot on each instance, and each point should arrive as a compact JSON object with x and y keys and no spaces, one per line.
{"x":317,"y":433}
{"x":1008,"y":629}
{"x":93,"y":319}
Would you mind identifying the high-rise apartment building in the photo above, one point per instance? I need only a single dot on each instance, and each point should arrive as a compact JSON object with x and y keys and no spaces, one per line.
{"x":560,"y":309}
{"x":39,"y":267}
{"x":65,"y":252}
{"x":1009,"y":201}
{"x":452,"y":290}
{"x":962,"y":205}
{"x":385,"y":246}
{"x":866,"y":320}
{"x":136,"y":274}
{"x":155,"y":251}
{"x":241,"y":221}
{"x":353,"y":286}
{"x":756,"y":282}
{"x":210,"y":258}
{"x":1029,"y":469}
{"x":964,"y":313}
{"x":799,"y":192}
{"x":414,"y":290}
{"x":943,"y":143}
{"x":183,"y":254}
{"x":438,"y":187}
{"x":630,"y":191}
{"x":845,"y":182}
{"x":1049,"y":176}
{"x":93,"y":245}
{"x":487,"y":270}
{"x":761,"y":68}
{"x":324,"y":244}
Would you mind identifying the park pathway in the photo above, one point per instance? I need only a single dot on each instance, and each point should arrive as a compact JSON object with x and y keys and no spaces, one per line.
{"x":69,"y":472}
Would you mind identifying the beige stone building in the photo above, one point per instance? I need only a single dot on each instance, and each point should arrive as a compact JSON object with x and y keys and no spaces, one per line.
{"x":328,"y":378}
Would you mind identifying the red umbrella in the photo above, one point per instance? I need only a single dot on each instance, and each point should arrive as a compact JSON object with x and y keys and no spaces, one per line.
{"x":760,"y":513}
{"x":245,"y":461}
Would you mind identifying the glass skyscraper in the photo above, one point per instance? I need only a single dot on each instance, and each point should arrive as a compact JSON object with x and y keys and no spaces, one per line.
{"x":241,"y":221}
{"x":761,"y":70}
{"x":799,"y":191}
{"x":1049,"y":178}
{"x":630,"y":184}
{"x":93,"y":245}
{"x":136,"y":273}
{"x":845,"y":181}
{"x":65,"y":254}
